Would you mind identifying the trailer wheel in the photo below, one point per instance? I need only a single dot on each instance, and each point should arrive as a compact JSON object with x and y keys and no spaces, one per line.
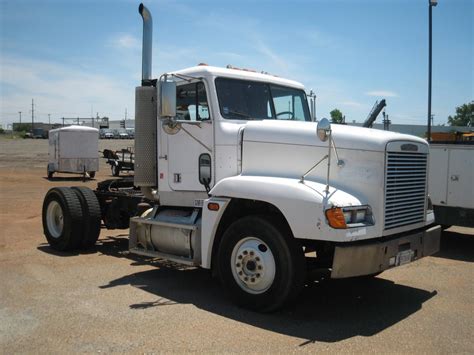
{"x":92,"y":215}
{"x":260,"y":264}
{"x":115,"y":170}
{"x":62,"y":219}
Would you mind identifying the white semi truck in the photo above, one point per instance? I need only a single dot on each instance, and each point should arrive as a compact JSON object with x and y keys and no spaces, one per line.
{"x":232,"y":175}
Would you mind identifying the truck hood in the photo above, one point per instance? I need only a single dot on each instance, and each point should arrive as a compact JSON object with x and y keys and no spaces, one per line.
{"x":304,"y":133}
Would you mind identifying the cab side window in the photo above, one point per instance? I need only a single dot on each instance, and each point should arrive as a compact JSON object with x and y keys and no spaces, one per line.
{"x":191,"y":102}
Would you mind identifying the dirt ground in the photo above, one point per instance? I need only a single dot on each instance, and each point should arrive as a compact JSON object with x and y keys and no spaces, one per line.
{"x":106,"y":300}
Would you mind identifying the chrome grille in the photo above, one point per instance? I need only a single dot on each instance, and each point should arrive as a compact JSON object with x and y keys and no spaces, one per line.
{"x":405,"y":188}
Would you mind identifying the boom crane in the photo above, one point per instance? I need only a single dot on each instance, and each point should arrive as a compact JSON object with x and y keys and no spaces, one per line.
{"x":378,"y":106}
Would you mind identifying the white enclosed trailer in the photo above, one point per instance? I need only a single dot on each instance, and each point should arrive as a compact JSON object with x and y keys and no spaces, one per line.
{"x":233,"y":175}
{"x":451,"y":183}
{"x":73,"y":149}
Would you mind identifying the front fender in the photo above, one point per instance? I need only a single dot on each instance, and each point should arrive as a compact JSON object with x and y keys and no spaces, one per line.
{"x":302,"y":203}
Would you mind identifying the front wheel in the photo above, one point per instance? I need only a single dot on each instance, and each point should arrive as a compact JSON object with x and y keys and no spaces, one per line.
{"x":260,"y":264}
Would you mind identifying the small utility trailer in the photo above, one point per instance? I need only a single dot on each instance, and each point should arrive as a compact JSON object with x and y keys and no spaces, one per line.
{"x":120,"y":160}
{"x":73,"y":149}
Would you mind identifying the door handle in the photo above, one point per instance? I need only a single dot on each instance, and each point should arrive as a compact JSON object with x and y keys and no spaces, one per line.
{"x":454,"y":177}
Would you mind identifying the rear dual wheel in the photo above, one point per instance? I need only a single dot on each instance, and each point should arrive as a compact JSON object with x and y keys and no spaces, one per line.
{"x":71,"y":218}
{"x":91,"y":215}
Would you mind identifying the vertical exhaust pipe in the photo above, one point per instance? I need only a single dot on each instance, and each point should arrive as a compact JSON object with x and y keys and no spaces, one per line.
{"x":146,"y":45}
{"x":146,"y":116}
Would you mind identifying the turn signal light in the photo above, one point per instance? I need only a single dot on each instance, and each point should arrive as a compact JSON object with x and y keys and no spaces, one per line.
{"x":212,"y":206}
{"x":336,"y":218}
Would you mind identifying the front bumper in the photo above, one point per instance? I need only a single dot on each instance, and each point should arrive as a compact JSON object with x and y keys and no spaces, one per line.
{"x":374,"y":257}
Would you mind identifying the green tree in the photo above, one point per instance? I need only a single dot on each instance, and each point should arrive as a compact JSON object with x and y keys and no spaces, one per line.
{"x":336,"y":116}
{"x":464,"y":115}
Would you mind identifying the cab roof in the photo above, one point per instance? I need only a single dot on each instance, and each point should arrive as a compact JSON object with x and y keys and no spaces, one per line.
{"x":210,"y":72}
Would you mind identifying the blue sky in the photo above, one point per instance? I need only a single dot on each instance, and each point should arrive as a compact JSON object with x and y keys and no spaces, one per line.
{"x":81,"y":57}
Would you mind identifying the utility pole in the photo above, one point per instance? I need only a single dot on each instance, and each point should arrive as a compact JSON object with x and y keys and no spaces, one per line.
{"x":386,"y":121}
{"x":20,"y":116}
{"x":63,"y":121}
{"x":125,"y":122}
{"x":431,"y":4}
{"x":32,"y":115}
{"x":49,"y":118}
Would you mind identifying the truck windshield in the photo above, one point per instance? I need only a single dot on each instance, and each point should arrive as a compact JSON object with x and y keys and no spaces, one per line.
{"x":252,"y":100}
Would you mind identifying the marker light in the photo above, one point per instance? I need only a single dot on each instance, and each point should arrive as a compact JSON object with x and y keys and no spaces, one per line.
{"x":212,"y":206}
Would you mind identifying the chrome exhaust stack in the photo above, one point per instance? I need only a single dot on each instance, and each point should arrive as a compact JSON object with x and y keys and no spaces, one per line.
{"x":146,"y":116}
{"x":146,"y":45}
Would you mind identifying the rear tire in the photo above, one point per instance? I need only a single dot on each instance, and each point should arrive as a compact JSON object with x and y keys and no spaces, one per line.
{"x":260,"y":264}
{"x":62,"y":219}
{"x":92,"y":215}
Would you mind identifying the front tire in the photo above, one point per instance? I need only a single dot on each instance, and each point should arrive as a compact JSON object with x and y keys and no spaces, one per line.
{"x":62,"y":219}
{"x":260,"y":264}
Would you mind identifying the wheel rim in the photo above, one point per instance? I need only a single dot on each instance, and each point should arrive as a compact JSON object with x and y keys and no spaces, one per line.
{"x":55,"y":219}
{"x":253,"y":265}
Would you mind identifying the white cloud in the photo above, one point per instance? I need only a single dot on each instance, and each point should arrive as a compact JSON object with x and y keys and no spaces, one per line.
{"x":276,"y":60}
{"x":61,"y":90}
{"x":382,"y":93}
{"x":125,"y":41}
{"x":353,"y":104}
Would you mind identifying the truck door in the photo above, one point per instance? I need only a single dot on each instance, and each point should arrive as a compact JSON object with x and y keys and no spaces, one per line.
{"x":193,"y":139}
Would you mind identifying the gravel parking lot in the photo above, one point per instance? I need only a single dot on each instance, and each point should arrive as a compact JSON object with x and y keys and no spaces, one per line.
{"x":106,"y":300}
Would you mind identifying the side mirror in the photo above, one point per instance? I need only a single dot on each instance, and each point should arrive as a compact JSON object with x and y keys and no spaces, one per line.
{"x":205,"y":176}
{"x":323,"y":129}
{"x":168,"y":98}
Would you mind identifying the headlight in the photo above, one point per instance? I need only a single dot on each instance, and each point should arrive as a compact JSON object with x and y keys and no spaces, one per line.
{"x":349,"y":217}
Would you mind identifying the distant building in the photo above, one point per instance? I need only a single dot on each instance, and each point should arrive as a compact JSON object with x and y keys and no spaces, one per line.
{"x":122,"y":124}
{"x":38,"y":125}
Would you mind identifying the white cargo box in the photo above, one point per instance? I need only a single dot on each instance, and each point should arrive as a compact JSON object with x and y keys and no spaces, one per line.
{"x":451,"y":183}
{"x":73,"y":149}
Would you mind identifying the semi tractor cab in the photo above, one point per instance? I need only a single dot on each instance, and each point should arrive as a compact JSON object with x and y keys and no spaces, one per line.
{"x":232,"y":175}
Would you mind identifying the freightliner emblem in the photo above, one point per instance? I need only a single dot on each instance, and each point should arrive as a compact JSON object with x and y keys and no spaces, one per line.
{"x":410,"y":147}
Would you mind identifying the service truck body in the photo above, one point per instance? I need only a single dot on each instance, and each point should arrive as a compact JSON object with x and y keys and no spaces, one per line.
{"x":233,"y":175}
{"x":451,"y":182}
